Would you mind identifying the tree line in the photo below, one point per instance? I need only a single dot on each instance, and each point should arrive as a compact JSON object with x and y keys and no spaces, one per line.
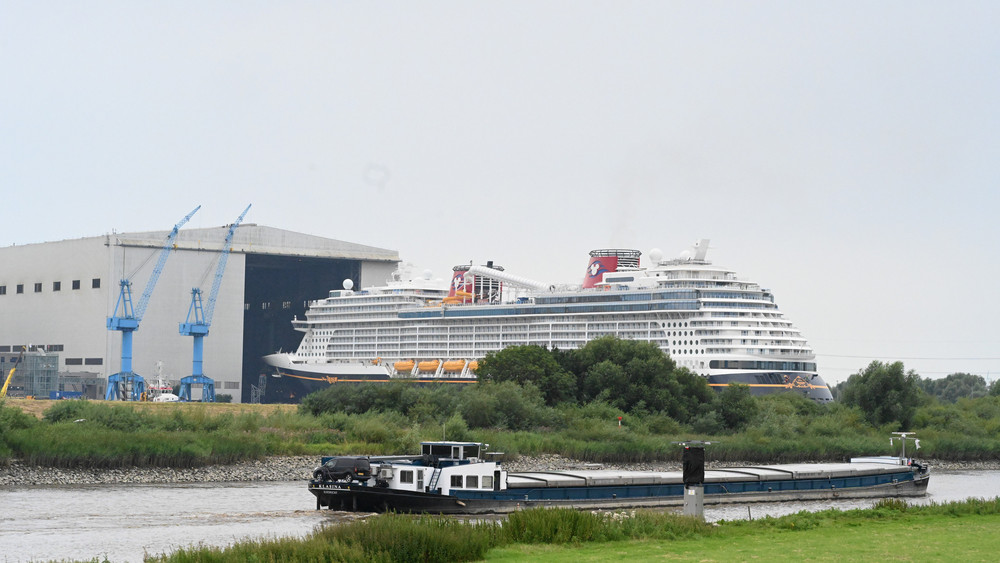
{"x":612,"y":401}
{"x":526,"y":387}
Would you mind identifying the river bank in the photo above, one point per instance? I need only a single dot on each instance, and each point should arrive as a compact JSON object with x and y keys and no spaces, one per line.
{"x":295,"y":468}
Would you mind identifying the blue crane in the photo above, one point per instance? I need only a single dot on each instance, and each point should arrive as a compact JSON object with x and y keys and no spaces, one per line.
{"x":199,"y":319}
{"x":127,"y":385}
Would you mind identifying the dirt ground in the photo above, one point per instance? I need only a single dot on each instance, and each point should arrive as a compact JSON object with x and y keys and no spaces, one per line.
{"x":38,"y":406}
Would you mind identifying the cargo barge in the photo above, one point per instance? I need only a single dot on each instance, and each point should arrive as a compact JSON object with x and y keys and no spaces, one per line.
{"x":456,"y":478}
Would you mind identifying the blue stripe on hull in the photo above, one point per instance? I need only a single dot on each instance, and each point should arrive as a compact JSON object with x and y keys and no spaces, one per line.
{"x":374,"y":499}
{"x":644,"y":491}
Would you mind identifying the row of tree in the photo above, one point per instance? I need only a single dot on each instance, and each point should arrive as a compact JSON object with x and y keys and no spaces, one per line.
{"x":887,"y":392}
{"x":626,"y":374}
{"x":520,"y":386}
{"x":526,"y":387}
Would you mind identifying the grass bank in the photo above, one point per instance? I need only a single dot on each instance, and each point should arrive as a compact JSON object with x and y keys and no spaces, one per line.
{"x":891,"y":530}
{"x":37,"y":407}
{"x":99,"y":434}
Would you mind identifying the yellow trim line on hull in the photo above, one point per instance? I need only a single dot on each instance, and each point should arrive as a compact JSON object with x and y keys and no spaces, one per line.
{"x":783,"y":385}
{"x":410,"y":379}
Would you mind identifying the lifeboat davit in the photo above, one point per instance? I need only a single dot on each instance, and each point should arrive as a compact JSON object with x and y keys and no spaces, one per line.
{"x":429,"y":365}
{"x":403,"y":366}
{"x":454,"y":365}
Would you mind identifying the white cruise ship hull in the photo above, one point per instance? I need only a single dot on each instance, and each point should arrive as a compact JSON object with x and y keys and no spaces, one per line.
{"x":705,"y":318}
{"x":327,"y":373}
{"x":316,"y":376}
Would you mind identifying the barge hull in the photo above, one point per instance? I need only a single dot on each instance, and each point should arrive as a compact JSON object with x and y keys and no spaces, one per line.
{"x":358,"y":498}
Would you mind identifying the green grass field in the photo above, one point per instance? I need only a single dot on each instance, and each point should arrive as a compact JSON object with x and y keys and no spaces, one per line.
{"x":889,"y":531}
{"x":920,"y":538}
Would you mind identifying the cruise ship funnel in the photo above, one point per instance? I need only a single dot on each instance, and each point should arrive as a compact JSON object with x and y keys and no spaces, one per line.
{"x":607,"y":260}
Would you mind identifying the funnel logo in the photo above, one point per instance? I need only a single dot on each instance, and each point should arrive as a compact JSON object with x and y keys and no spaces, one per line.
{"x":596,"y":268}
{"x":458,"y":282}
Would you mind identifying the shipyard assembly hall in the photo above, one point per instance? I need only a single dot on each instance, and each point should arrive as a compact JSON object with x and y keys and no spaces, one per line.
{"x":57,"y":300}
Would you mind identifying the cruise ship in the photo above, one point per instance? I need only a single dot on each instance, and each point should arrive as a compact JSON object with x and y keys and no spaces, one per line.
{"x":706,"y":318}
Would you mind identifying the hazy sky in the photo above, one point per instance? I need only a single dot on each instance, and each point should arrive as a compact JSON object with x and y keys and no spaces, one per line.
{"x":843,"y":154}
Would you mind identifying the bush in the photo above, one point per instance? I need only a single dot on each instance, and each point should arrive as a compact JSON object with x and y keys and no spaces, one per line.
{"x":885,"y":393}
{"x":563,"y":525}
{"x":736,"y":407}
{"x":12,"y":418}
{"x":116,"y":417}
{"x":457,"y":430}
{"x":662,"y":424}
{"x":556,"y":525}
{"x":530,"y":364}
{"x":393,"y":537}
{"x":504,"y":405}
{"x":374,"y":428}
{"x":709,"y":423}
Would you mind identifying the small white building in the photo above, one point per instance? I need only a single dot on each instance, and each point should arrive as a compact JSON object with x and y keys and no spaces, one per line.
{"x":56,"y":297}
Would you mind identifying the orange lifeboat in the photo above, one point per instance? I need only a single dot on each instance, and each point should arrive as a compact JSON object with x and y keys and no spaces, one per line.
{"x":429,"y":366}
{"x":403,"y":366}
{"x":473,"y":365}
{"x":459,"y":297}
{"x":454,"y":365}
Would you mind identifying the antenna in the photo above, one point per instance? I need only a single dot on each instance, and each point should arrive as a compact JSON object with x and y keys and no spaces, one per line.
{"x":903,"y":437}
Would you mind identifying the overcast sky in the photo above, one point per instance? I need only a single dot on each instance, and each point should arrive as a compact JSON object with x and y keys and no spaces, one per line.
{"x":842,"y":154}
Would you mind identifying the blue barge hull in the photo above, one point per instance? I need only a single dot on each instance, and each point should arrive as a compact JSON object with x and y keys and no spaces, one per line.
{"x":597,"y":489}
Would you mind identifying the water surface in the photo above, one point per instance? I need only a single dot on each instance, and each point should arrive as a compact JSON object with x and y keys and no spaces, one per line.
{"x":124,"y":522}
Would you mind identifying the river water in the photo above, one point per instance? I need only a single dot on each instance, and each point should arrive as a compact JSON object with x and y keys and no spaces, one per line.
{"x":124,"y":522}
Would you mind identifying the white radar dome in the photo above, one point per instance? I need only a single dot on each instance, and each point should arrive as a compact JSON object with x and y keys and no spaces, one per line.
{"x":348,"y":283}
{"x":656,"y":255}
{"x":686,"y":255}
{"x":428,"y":274}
